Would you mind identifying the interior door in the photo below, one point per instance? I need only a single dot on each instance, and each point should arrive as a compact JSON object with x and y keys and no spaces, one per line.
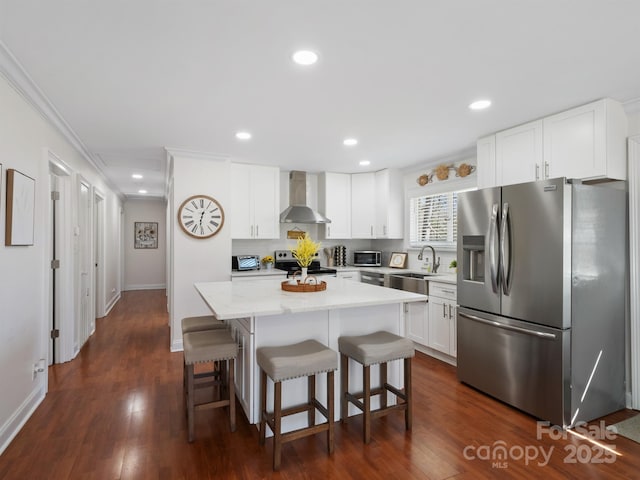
{"x":535,"y":252}
{"x":478,"y":249}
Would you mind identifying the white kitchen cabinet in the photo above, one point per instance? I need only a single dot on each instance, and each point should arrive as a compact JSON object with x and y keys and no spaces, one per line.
{"x":363,"y":207}
{"x":416,"y":316}
{"x":486,"y":161}
{"x":389,"y":203}
{"x":519,"y":154}
{"x":254,"y":210}
{"x":350,"y":275}
{"x":587,"y":142}
{"x":244,"y":373}
{"x":334,"y":201}
{"x":442,"y":318}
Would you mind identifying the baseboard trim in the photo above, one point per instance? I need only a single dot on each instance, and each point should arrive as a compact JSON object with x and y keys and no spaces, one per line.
{"x":156,"y":286}
{"x":15,"y":423}
{"x":111,"y":304}
{"x":176,"y":346}
{"x":435,"y":354}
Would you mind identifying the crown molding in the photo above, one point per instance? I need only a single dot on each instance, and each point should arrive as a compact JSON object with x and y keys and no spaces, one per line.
{"x":185,"y":152}
{"x":632,"y":106}
{"x":19,"y":79}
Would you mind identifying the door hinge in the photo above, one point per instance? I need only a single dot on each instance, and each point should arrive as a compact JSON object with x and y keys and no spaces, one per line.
{"x":55,"y":333}
{"x":55,"y":195}
{"x":55,"y":264}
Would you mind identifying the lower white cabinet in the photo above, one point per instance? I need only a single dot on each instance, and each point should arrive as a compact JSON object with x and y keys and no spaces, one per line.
{"x":416,"y":316}
{"x":353,"y":275}
{"x":442,"y":318}
{"x":244,"y":371}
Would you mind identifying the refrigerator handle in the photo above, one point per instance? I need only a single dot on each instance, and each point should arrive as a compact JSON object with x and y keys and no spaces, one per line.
{"x":505,"y":250}
{"x":493,"y":256}
{"x":513,"y":328}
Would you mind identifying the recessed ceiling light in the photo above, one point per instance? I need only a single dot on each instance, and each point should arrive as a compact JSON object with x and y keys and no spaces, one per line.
{"x":350,"y":142}
{"x":364,"y":163}
{"x":305,"y":57}
{"x":243,"y":135}
{"x":137,"y":176}
{"x":480,"y":104}
{"x":142,"y":191}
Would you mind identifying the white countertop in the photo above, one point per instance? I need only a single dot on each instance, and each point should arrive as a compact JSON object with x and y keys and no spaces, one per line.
{"x":249,"y":298}
{"x":450,"y":278}
{"x":263,"y":272}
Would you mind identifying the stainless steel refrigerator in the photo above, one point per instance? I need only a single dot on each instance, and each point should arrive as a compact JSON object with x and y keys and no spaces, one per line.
{"x":541,"y":288}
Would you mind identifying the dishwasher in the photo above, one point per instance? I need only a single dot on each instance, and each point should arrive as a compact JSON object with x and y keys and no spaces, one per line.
{"x":372,"y":278}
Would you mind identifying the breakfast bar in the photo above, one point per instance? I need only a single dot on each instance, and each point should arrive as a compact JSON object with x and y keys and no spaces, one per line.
{"x":261,"y":314}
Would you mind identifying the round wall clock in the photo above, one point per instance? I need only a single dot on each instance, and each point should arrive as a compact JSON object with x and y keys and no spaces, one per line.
{"x":201,"y":216}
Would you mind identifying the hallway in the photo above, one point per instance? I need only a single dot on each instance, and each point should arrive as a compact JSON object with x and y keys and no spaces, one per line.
{"x":117,"y":412}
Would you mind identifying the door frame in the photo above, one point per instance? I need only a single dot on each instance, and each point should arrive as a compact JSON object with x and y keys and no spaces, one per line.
{"x":634,"y":270}
{"x":98,"y":252}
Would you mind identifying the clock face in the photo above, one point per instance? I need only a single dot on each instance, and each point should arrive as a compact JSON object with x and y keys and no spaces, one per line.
{"x":201,"y":216}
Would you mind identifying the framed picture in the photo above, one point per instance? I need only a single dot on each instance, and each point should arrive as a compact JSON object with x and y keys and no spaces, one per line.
{"x":145,"y":235}
{"x":398,"y":260}
{"x":21,"y":191}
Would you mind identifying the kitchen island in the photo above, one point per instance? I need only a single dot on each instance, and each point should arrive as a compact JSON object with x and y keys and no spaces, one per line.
{"x":261,"y":314}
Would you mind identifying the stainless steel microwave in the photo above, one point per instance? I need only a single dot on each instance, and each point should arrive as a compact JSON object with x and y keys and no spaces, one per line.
{"x":367,"y":258}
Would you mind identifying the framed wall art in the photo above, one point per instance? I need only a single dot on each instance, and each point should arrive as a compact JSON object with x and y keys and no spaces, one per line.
{"x":398,"y":260}
{"x":145,"y":235}
{"x":21,"y":192}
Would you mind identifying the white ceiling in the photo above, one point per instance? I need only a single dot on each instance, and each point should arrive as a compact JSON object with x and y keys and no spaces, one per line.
{"x":133,"y":77}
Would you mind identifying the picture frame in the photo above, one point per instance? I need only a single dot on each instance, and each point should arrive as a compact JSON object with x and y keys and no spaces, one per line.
{"x":398,"y":260}
{"x":21,"y":203}
{"x":145,"y":235}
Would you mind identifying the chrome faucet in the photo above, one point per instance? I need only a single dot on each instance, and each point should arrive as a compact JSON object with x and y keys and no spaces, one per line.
{"x":434,"y":265}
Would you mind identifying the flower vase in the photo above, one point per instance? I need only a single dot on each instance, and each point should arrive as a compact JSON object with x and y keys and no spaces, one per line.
{"x":304,"y":273}
{"x":268,"y":265}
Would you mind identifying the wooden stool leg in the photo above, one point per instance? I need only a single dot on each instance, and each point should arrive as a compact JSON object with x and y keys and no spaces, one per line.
{"x":383,"y":382}
{"x":263,"y":406}
{"x":190,"y":402}
{"x":330,"y":402}
{"x":311,"y":393}
{"x":366,"y":379}
{"x":408,"y":414}
{"x":277,"y":421}
{"x":344,"y":387}
{"x":232,"y":394}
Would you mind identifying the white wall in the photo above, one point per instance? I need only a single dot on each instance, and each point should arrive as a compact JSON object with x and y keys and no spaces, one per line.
{"x":144,"y":268}
{"x":196,"y":260}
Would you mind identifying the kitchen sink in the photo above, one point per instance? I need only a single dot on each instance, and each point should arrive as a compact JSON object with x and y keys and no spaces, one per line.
{"x":409,"y":282}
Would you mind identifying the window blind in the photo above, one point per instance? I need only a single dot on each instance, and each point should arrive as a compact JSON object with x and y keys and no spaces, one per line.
{"x":434,"y":219}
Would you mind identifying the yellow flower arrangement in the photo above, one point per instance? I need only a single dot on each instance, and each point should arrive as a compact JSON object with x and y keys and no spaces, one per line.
{"x":305,"y":250}
{"x":267,"y":259}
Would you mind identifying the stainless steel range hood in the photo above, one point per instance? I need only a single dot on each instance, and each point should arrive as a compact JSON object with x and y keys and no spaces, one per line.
{"x":298,"y":211}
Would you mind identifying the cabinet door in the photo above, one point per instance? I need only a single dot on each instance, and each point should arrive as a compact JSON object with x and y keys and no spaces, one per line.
{"x":335,"y":203}
{"x":486,"y":161}
{"x":416,"y":321}
{"x":354,"y":276}
{"x":453,"y":330}
{"x":575,"y":144}
{"x":239,"y":212}
{"x":243,"y":372}
{"x":439,"y":329}
{"x":519,"y":154}
{"x":362,"y":205}
{"x":265,"y":190}
{"x":389,"y":202}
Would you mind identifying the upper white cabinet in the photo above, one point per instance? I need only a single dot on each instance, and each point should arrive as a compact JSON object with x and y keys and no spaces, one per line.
{"x":255,"y":202}
{"x":363,"y":207}
{"x":389,"y":204}
{"x":587,"y":142}
{"x":334,"y":201}
{"x":519,"y":154}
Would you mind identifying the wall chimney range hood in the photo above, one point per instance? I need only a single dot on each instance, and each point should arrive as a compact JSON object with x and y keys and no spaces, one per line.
{"x":298,"y":211}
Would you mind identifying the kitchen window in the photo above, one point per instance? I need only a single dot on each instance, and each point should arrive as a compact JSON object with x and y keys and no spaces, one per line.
{"x":434,"y":219}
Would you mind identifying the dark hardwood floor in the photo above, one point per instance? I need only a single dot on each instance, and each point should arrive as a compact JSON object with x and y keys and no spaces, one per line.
{"x":117,"y":411}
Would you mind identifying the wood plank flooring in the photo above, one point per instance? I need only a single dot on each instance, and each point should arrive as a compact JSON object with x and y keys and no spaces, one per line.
{"x":117,"y":411}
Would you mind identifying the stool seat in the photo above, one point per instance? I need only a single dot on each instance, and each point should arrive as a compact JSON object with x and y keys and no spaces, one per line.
{"x":376,"y":347}
{"x":208,"y":346}
{"x":205,"y":322}
{"x":298,"y":360}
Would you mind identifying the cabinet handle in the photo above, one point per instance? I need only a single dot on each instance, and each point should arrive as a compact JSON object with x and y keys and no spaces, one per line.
{"x":372,"y":230}
{"x":444,"y":310}
{"x":546,"y":169}
{"x":448,"y":291}
{"x":257,"y":232}
{"x":537,"y":172}
{"x":450,"y":314}
{"x":384,"y":230}
{"x":328,"y":231}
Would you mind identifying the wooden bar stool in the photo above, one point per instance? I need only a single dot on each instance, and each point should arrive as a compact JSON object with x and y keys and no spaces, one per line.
{"x":218,"y":348}
{"x":198,"y":324}
{"x":375,"y":348}
{"x":305,"y":359}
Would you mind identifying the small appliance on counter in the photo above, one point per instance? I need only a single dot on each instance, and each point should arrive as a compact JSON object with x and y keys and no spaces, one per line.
{"x":285,"y":261}
{"x":340,"y":256}
{"x":367,"y":258}
{"x":241,"y":263}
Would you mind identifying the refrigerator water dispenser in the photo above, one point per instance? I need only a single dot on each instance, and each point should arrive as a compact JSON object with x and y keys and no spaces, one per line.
{"x":473,"y":258}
